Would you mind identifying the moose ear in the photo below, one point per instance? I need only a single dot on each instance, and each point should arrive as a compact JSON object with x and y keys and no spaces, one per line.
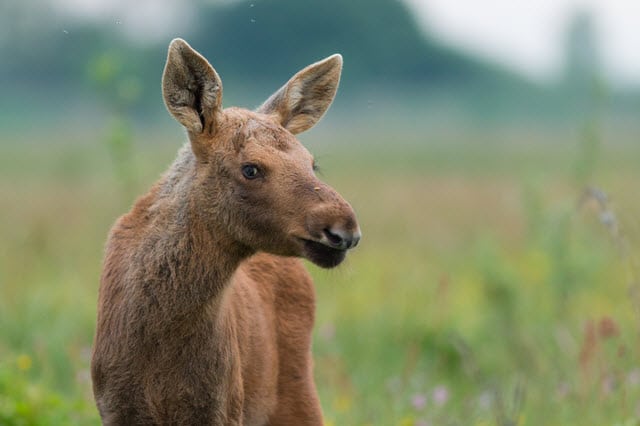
{"x":305,"y":98}
{"x":191,"y":88}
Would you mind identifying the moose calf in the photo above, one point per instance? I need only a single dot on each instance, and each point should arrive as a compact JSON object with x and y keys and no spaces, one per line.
{"x":205,"y":310}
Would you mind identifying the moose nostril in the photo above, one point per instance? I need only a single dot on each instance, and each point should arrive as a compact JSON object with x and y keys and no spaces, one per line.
{"x":340,"y":239}
{"x":335,"y":239}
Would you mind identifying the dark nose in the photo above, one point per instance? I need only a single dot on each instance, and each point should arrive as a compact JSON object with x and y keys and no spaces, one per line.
{"x":341,"y":239}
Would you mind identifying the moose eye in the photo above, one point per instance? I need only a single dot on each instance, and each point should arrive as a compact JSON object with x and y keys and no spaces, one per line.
{"x":250,"y":171}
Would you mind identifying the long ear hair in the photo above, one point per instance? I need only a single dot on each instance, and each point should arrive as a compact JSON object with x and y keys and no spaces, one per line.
{"x":191,"y":88}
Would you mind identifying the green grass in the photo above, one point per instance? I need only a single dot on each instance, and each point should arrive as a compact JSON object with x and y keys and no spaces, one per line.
{"x":481,"y":293}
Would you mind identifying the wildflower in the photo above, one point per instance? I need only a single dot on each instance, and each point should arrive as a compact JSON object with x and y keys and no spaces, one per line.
{"x":328,"y":331}
{"x":440,"y":395}
{"x":589,"y":345}
{"x":633,"y":378}
{"x":83,"y":376}
{"x":407,"y":421}
{"x":342,"y":403}
{"x":608,"y":385}
{"x":24,"y":362}
{"x":563,"y":390}
{"x":608,"y":218}
{"x":608,"y":328}
{"x":419,"y":401}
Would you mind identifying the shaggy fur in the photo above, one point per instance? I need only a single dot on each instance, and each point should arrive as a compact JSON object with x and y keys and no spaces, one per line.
{"x":205,"y":312}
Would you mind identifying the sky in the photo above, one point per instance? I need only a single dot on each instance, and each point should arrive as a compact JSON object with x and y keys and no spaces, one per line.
{"x":526,"y":36}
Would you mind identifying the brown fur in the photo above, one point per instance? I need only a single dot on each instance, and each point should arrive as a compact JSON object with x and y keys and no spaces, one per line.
{"x":205,"y":313}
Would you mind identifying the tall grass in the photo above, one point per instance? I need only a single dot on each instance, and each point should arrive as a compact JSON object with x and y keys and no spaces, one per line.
{"x":484,"y":292}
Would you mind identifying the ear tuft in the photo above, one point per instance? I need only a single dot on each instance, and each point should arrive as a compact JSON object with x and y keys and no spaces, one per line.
{"x":305,"y":98}
{"x":191,"y":88}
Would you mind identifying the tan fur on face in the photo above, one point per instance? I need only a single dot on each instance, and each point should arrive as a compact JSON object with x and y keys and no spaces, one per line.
{"x":200,"y":319}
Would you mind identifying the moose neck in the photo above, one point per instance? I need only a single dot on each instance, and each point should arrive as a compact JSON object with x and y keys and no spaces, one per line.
{"x":195,"y":256}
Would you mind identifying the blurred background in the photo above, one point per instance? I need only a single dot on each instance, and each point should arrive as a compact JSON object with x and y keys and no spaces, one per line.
{"x":490,"y":149}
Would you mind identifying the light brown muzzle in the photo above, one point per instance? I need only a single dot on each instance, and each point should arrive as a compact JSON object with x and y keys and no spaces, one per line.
{"x":332,"y":228}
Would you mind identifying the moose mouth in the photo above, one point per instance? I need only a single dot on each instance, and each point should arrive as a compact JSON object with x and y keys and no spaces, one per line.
{"x":323,"y":255}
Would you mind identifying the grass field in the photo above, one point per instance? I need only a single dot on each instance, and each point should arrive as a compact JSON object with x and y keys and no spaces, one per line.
{"x":487,"y":289}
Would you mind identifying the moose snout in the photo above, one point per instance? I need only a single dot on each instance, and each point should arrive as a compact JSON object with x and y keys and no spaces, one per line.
{"x":334,"y":225}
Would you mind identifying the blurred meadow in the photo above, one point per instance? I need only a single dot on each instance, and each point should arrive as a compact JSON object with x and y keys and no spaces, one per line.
{"x":497,"y":282}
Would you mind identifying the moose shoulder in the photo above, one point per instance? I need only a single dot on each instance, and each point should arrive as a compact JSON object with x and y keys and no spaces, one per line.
{"x":205,"y":310}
